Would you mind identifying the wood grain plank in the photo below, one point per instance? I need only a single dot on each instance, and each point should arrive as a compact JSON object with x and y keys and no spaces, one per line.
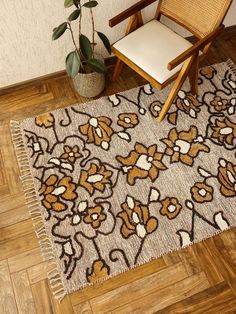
{"x":25,"y":260}
{"x":83,"y":308}
{"x":42,"y":299}
{"x":9,"y":159}
{"x":160,"y":299}
{"x":14,"y":216}
{"x":14,"y":231}
{"x":171,"y":258}
{"x":12,"y":201}
{"x":23,"y":293}
{"x":18,"y":246}
{"x":7,"y":298}
{"x":189,"y":259}
{"x":2,"y":171}
{"x":64,"y":307}
{"x":220,"y":299}
{"x":117,"y":281}
{"x":37,"y":272}
{"x":206,"y":262}
{"x":131,"y":292}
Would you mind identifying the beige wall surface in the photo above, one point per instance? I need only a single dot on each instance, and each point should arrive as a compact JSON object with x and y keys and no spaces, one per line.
{"x":26,"y":48}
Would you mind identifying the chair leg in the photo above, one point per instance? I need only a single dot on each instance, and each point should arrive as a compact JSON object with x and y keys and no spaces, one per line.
{"x":117,"y":70}
{"x":176,"y":87}
{"x":193,"y":76}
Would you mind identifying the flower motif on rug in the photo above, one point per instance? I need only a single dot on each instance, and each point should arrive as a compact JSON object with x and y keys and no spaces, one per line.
{"x":128,"y":120}
{"x":188,"y":104}
{"x":208,"y":72}
{"x":95,"y":178}
{"x":45,"y":120}
{"x":56,"y":192}
{"x":202,"y":192}
{"x":71,"y":153}
{"x":136,"y":219}
{"x":95,"y":216}
{"x":184,"y":146}
{"x":170,"y":207}
{"x":155,"y":108}
{"x":98,"y":131}
{"x":99,"y":270}
{"x":227,"y":178}
{"x":142,"y":162}
{"x":224,"y":131}
{"x":219,"y":104}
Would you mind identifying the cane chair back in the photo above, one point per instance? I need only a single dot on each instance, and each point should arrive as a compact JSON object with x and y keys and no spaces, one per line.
{"x":200,"y":17}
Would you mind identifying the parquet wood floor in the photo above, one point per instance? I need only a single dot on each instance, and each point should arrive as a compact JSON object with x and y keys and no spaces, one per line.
{"x":198,"y":279}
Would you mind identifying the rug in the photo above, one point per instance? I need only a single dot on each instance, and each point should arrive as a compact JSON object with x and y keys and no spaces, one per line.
{"x":109,"y":188}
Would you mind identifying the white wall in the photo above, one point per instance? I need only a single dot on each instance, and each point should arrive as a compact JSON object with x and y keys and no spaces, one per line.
{"x":26,"y":48}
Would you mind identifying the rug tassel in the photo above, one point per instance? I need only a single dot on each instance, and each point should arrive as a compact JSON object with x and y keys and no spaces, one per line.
{"x":231,"y":65}
{"x":34,"y":210}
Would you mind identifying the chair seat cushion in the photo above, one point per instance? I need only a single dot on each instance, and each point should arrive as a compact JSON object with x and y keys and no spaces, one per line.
{"x":151,"y":47}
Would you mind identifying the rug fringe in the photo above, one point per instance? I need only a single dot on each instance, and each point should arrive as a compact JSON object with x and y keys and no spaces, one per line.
{"x":31,"y":199}
{"x":231,"y":65}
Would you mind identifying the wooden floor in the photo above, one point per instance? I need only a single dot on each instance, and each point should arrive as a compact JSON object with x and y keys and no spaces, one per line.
{"x":199,"y":279}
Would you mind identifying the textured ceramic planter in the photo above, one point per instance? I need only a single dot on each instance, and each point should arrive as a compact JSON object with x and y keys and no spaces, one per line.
{"x":90,"y":84}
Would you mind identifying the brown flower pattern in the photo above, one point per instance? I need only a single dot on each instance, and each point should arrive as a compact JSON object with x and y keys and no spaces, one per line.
{"x":227,"y":178}
{"x":142,"y":162}
{"x":219,"y":104}
{"x":155,"y":108}
{"x":98,"y":131}
{"x":188,"y":104}
{"x":224,"y":131}
{"x":100,"y":270}
{"x":184,"y":146}
{"x":170,"y":207}
{"x":128,"y":120}
{"x":208,"y":72}
{"x":45,"y":120}
{"x":136,"y":219}
{"x":95,"y":178}
{"x":95,"y":216}
{"x":71,"y":153}
{"x":54,"y":191}
{"x":202,"y":192}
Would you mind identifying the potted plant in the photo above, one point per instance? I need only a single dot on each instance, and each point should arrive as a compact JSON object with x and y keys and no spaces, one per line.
{"x":82,"y":64}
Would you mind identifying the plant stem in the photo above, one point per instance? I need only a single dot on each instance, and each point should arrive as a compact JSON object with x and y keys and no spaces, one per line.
{"x":80,"y":20}
{"x":73,"y":39}
{"x":93,"y":29}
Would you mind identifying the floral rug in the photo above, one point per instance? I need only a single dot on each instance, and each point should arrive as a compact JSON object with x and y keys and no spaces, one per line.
{"x":109,"y":188}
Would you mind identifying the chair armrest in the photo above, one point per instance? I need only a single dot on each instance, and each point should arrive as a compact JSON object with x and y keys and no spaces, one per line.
{"x":195,"y":48}
{"x":129,"y":12}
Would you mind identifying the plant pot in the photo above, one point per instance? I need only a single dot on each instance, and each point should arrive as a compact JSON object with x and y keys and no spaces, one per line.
{"x":90,"y":84}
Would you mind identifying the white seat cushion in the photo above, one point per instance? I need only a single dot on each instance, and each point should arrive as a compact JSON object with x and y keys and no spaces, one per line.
{"x":152,"y":47}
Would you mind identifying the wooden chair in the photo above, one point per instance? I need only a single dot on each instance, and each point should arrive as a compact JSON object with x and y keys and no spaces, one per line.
{"x":159,"y":54}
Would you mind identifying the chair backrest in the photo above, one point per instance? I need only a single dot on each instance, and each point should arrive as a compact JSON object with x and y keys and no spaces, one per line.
{"x":199,"y":16}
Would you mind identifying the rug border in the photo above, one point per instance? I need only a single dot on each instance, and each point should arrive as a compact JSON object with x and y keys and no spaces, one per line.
{"x":32,"y":202}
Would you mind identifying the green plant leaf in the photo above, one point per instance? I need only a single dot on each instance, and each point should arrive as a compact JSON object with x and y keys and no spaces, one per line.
{"x":68,"y":3}
{"x":105,"y":41}
{"x":58,"y":31}
{"x":72,"y":64}
{"x":74,"y":15}
{"x":85,"y":46}
{"x":90,"y":4}
{"x":97,"y":65}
